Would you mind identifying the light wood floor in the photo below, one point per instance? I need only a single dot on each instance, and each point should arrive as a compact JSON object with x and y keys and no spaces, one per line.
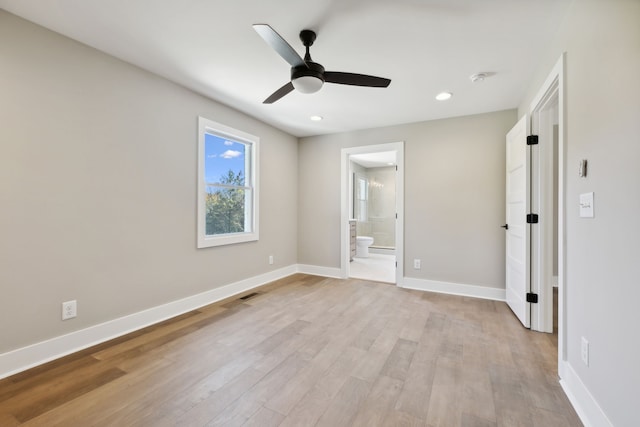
{"x":307,"y":351}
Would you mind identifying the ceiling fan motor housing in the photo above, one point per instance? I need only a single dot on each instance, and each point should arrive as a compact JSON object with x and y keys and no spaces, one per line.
{"x":312,"y":69}
{"x":308,"y":78}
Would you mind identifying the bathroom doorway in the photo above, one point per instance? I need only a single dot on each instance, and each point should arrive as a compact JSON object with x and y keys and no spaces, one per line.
{"x":372,"y":182}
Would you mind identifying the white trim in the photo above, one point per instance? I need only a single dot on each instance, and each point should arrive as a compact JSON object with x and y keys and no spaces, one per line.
{"x":587,"y":408}
{"x":33,"y":355}
{"x":316,"y":270}
{"x":381,"y":251}
{"x":466,"y":290}
{"x":398,"y":147}
{"x":555,"y":77}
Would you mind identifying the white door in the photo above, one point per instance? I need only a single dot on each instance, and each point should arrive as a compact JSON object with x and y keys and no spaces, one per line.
{"x":517,"y":229}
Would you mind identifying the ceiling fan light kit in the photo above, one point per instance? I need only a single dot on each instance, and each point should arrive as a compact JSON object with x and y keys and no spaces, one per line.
{"x":308,"y":76}
{"x":307,"y":84}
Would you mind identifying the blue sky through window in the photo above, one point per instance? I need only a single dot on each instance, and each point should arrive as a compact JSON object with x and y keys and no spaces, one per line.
{"x":222,"y":155}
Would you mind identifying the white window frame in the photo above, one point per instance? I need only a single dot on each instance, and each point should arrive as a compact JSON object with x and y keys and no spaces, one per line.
{"x":206,"y":126}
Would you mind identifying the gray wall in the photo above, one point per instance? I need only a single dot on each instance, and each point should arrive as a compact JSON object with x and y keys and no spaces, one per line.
{"x":602,"y":44}
{"x":454,"y":196}
{"x":98,"y":188}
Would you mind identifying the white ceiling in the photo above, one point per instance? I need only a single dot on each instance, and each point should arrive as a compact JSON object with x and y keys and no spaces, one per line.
{"x":423,"y":46}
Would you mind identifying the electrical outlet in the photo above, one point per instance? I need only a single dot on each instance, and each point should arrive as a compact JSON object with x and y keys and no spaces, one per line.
{"x":585,"y":351}
{"x":270,"y":259}
{"x":69,"y":309}
{"x":417,"y":264}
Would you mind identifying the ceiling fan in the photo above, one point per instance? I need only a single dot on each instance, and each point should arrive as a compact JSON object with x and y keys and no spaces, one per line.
{"x":308,"y":76}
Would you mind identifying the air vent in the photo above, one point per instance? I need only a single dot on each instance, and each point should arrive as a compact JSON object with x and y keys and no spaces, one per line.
{"x":246,"y":297}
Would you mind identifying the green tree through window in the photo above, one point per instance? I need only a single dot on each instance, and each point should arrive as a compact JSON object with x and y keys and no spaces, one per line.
{"x":225,"y":205}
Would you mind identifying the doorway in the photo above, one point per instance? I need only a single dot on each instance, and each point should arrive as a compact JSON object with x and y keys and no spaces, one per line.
{"x":547,"y":242}
{"x":372,"y":183}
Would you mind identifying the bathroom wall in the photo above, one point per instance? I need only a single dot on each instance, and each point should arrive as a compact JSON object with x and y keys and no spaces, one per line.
{"x":380,"y":222}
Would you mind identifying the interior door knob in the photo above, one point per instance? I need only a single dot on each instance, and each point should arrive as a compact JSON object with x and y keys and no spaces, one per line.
{"x":506,"y":226}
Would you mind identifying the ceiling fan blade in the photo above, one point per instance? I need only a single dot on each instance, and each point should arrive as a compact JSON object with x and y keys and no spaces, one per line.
{"x":279,"y":44}
{"x":355,"y":79}
{"x":279,"y":93}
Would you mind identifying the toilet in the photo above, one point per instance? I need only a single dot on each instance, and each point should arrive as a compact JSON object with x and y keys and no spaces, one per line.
{"x":362,"y":246}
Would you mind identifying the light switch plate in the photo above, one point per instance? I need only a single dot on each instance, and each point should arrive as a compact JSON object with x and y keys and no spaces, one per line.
{"x":586,"y":205}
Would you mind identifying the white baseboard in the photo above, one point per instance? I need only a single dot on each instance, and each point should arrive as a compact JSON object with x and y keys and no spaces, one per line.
{"x":315,"y":270}
{"x":382,"y":251}
{"x":455,"y":289}
{"x":583,"y":402}
{"x":24,"y":358}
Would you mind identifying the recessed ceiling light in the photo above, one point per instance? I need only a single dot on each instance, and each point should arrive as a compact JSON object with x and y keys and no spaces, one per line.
{"x":316,"y":118}
{"x":443,"y":96}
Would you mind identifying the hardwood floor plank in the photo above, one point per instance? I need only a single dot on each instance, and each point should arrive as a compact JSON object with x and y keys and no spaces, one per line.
{"x":292,"y":392}
{"x":171,"y":326}
{"x":419,"y":316}
{"x":313,"y":404}
{"x":445,"y":406}
{"x":345,"y":404}
{"x":268,"y":344}
{"x":401,"y":419}
{"x":477,"y":391}
{"x":53,"y":394}
{"x":379,"y":352}
{"x":378,"y":403}
{"x":545,"y":418}
{"x":264,"y":418}
{"x":246,"y":405}
{"x":397,"y":364}
{"x":25,"y":381}
{"x":101,"y":402}
{"x":7,"y":420}
{"x":370,"y":333}
{"x":469,"y":420}
{"x":512,"y":408}
{"x":201,"y":407}
{"x":416,"y":392}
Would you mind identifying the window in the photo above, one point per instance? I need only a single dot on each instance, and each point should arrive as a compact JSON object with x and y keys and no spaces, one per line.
{"x":360,"y":198}
{"x":227,"y":185}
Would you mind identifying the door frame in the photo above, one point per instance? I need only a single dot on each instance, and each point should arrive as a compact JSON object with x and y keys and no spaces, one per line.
{"x":542,"y":313}
{"x":345,"y":183}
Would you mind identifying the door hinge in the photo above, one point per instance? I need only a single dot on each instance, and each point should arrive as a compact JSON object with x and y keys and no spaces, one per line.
{"x":532,"y":140}
{"x":533,"y":298}
{"x":396,"y":168}
{"x":532,"y":218}
{"x":396,"y":264}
